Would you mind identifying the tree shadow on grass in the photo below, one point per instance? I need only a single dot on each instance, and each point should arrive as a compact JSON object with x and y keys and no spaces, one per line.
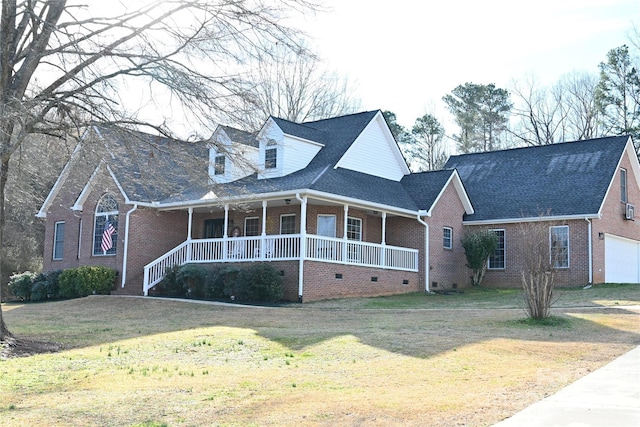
{"x":418,"y":333}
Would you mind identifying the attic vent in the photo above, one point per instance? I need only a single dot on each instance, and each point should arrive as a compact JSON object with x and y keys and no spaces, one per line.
{"x":629,"y":211}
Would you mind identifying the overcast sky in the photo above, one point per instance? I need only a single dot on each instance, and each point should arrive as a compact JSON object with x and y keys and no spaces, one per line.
{"x":405,"y":55}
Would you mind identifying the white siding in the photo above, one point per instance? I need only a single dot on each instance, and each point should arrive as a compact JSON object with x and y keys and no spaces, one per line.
{"x":271,"y":131}
{"x":241,"y":160}
{"x":297,"y":154}
{"x":294,"y":153}
{"x":375,"y":152}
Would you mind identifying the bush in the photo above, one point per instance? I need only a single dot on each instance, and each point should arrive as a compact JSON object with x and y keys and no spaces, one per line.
{"x":478,"y":247}
{"x":86,"y":280}
{"x":46,"y":286}
{"x":263,"y":283}
{"x":227,"y":280}
{"x":214,"y":285}
{"x":192,"y":278}
{"x":169,"y":286}
{"x":21,"y":284}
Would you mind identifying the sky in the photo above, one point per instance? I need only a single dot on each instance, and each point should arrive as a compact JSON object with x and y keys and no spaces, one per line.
{"x":405,"y":55}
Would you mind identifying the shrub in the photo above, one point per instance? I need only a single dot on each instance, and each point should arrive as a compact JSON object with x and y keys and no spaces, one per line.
{"x":192,"y":277}
{"x":86,"y":280}
{"x":70,"y":281}
{"x":478,"y":247}
{"x":169,"y":285}
{"x":263,"y":282}
{"x":46,"y":286}
{"x":227,"y":280}
{"x":20,"y":285}
{"x":213,"y":288}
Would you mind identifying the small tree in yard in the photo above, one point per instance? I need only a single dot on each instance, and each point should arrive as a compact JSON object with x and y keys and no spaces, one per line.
{"x":538,"y":275}
{"x":478,"y":247}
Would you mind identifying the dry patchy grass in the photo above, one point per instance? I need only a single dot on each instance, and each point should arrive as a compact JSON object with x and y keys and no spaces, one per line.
{"x":127,"y":361}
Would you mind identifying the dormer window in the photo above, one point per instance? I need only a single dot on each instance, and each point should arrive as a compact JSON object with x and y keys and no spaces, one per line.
{"x":219,"y":164}
{"x":271,"y":155}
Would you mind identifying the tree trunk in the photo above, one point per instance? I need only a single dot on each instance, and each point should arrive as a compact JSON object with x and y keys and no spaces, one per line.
{"x":4,"y":169}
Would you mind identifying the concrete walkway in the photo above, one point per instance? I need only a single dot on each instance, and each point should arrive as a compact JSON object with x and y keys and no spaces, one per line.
{"x":607,"y":397}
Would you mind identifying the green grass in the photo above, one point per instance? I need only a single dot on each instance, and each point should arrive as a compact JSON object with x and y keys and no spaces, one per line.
{"x":480,"y":297}
{"x":150,"y":362}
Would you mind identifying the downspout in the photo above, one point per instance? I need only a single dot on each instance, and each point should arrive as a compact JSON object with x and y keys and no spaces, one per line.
{"x":303,"y":243}
{"x":590,"y":248}
{"x":426,"y":250}
{"x":126,"y":244}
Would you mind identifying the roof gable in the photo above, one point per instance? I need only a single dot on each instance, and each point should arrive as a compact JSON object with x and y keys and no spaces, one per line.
{"x":375,"y":152}
{"x":559,"y":180}
{"x":426,"y":189}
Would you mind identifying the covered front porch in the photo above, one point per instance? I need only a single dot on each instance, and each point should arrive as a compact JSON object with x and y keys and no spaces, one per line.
{"x":307,"y":232}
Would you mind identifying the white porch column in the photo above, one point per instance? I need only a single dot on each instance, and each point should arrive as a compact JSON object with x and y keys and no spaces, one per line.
{"x":303,"y":244}
{"x":263,"y":243}
{"x":383,"y":250}
{"x":344,"y":234}
{"x":189,"y":229}
{"x":225,"y":236}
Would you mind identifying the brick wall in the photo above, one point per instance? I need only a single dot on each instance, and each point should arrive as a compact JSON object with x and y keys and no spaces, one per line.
{"x":321,"y":282}
{"x":612,"y":220}
{"x":517,"y":237}
{"x":447,"y":268}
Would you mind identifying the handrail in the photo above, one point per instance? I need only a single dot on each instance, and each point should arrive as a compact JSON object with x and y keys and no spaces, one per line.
{"x":280,"y":248}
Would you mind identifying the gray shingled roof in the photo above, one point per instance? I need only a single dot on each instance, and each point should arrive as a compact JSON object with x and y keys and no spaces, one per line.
{"x":567,"y":179}
{"x":241,"y":136}
{"x":336,"y":134}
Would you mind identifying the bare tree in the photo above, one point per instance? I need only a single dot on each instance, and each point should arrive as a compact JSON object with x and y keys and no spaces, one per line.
{"x":292,"y":85}
{"x":62,"y":63}
{"x":566,"y":111}
{"x":542,"y":253}
{"x":540,"y":113}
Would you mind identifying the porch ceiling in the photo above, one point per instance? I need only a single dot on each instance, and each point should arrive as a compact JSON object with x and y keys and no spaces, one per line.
{"x":282,"y":201}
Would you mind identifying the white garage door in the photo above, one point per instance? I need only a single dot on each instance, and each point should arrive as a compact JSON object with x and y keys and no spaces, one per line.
{"x":621,"y":260}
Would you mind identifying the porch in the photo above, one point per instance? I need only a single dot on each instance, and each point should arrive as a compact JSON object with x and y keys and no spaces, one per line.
{"x":283,"y":247}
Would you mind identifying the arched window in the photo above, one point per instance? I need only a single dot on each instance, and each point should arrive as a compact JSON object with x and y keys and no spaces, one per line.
{"x":105,"y":229}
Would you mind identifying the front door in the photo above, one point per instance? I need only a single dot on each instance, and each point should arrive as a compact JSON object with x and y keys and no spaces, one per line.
{"x":213,"y":228}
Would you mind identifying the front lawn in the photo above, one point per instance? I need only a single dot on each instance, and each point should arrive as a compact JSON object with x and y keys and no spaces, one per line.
{"x":405,"y":360}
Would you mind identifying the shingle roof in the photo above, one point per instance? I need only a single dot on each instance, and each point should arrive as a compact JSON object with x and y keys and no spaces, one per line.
{"x":566,"y":179}
{"x":336,"y":134}
{"x":241,"y":136}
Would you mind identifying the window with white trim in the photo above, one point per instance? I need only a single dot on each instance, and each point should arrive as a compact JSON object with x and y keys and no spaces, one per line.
{"x":105,"y":226}
{"x":354,"y":228}
{"x":447,"y":238}
{"x":271,"y":155}
{"x":288,"y":224}
{"x":623,"y":186}
{"x":58,"y":240}
{"x":252,"y":226}
{"x":219,"y":164}
{"x":497,"y":260}
{"x":559,"y":246}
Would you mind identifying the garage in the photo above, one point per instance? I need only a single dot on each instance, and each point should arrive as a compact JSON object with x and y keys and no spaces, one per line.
{"x":621,"y":260}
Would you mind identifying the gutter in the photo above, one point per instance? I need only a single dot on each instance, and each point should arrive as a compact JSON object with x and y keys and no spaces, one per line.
{"x":426,"y":249}
{"x":126,"y":244}
{"x":590,"y":249}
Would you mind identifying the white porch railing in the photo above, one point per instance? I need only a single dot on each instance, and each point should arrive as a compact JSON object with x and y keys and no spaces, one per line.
{"x":280,"y":248}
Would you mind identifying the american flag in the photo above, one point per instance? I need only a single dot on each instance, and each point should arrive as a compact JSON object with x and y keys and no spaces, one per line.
{"x":107,"y":242}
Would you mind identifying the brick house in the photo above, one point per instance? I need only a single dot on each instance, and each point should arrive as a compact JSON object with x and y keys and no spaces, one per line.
{"x":333,"y":206}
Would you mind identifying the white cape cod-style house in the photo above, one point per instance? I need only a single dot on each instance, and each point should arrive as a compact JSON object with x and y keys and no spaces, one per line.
{"x":333,"y":206}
